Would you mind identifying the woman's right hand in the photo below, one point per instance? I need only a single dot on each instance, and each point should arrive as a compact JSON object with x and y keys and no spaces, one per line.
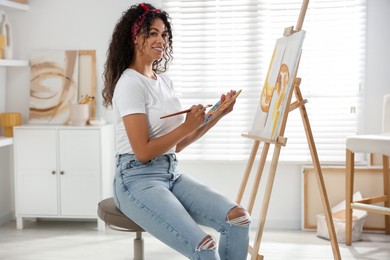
{"x":195,"y":118}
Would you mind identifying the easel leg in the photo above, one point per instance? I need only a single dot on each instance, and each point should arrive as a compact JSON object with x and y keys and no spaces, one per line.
{"x":319,"y":176}
{"x":248,"y":170}
{"x":266,"y":200}
{"x":259,"y":173}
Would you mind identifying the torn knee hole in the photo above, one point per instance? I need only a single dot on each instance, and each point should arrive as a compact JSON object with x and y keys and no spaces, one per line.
{"x":238,"y":216}
{"x":208,"y":243}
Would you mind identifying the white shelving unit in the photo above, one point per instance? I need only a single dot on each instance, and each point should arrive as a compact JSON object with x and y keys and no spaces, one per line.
{"x":5,"y":141}
{"x":11,"y":5}
{"x":10,"y":8}
{"x":14,"y":5}
{"x":13,"y":63}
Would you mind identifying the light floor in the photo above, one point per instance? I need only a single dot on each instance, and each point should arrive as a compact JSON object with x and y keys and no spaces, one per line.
{"x":54,"y":240}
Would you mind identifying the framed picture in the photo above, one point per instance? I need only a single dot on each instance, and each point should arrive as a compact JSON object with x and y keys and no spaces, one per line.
{"x":60,"y":78}
{"x":87,"y":80}
{"x":53,"y":85}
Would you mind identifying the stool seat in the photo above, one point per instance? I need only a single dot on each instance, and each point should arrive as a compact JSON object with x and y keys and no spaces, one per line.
{"x":109,"y":213}
{"x":379,"y":144}
{"x":115,"y":219}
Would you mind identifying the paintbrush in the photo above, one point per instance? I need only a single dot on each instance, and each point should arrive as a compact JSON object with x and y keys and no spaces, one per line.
{"x":182,"y":112}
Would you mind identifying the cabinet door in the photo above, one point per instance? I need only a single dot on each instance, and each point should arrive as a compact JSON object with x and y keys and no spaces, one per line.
{"x":36,"y":172}
{"x":80,"y":171}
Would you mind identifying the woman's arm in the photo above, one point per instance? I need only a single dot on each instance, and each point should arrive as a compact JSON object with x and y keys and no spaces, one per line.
{"x":136,"y":126}
{"x":205,"y":128}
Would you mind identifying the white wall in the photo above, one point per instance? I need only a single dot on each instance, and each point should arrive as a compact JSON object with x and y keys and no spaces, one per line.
{"x":51,"y":24}
{"x":88,"y":24}
{"x":377,"y":63}
{"x":58,"y":24}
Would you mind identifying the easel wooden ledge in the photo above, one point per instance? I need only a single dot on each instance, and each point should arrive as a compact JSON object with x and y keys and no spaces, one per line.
{"x":281,"y":141}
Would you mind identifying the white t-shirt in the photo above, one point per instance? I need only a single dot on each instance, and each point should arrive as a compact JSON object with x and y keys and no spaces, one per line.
{"x":135,"y":93}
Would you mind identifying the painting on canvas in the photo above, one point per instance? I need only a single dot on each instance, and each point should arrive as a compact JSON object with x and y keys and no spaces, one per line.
{"x":53,"y":85}
{"x":277,"y":86}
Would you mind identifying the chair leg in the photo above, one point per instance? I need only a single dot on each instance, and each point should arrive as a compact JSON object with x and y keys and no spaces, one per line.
{"x":386,"y":189}
{"x":349,"y":173}
{"x":138,"y":246}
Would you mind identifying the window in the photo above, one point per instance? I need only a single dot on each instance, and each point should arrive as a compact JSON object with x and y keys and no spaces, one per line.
{"x":225,"y":44}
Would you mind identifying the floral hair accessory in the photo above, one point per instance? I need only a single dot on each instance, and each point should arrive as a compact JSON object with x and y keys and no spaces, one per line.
{"x":140,"y":20}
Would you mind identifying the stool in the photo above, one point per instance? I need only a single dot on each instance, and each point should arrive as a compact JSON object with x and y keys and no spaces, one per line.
{"x":376,"y":144}
{"x":110,"y":214}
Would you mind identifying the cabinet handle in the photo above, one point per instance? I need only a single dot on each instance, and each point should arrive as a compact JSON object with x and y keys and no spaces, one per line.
{"x":62,"y":172}
{"x":53,"y":172}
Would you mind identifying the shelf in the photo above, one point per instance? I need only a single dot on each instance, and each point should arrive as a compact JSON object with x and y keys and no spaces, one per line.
{"x":5,"y":141}
{"x":14,"y":5}
{"x":14,"y":63}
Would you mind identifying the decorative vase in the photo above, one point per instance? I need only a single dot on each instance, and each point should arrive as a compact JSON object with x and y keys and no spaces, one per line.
{"x":79,"y":114}
{"x":5,"y":29}
{"x":8,"y":121}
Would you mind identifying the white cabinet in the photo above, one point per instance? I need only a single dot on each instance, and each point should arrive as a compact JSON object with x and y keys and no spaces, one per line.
{"x":62,"y":171}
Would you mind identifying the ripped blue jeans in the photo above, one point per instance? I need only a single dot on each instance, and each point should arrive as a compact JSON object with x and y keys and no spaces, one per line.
{"x":171,"y":206}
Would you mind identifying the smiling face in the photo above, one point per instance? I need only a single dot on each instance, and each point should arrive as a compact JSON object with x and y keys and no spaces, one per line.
{"x":151,"y":47}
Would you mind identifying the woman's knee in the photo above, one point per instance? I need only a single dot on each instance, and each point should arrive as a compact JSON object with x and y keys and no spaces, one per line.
{"x":238,"y":216}
{"x":208,"y":243}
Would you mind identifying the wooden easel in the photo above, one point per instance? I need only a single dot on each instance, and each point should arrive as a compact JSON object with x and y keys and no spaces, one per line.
{"x":281,"y":141}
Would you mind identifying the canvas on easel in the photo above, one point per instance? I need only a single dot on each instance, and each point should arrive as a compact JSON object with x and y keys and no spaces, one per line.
{"x":279,"y":80}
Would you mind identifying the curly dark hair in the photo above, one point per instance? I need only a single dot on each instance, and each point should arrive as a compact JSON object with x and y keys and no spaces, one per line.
{"x":121,"y":50}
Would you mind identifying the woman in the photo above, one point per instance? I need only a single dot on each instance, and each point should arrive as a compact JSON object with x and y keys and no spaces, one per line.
{"x":147,"y":186}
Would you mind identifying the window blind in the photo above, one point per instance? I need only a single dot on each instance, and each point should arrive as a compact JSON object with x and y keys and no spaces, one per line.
{"x":225,"y":44}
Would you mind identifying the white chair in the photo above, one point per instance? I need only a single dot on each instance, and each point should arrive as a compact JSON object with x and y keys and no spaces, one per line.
{"x":376,"y":144}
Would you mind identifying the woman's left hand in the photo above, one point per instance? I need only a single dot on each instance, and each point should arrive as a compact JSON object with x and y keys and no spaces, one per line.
{"x":226,"y":110}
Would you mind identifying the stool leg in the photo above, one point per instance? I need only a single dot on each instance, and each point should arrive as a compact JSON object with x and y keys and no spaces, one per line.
{"x":138,"y":246}
{"x":386,"y":189}
{"x":349,"y":173}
